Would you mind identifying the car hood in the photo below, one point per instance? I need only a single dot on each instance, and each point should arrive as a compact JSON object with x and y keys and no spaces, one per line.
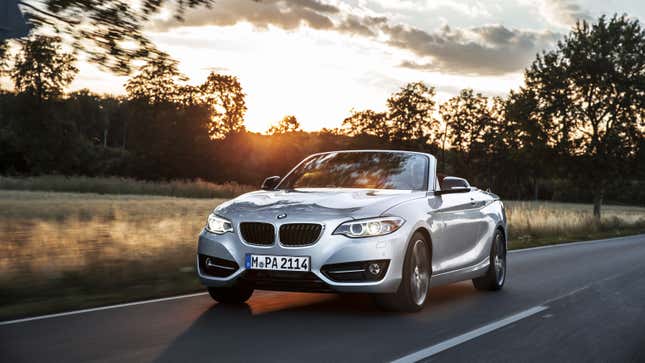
{"x":314,"y":204}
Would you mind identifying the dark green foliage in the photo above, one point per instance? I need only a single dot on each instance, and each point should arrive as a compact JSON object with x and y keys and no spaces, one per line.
{"x":589,"y":100}
{"x":469,"y":123}
{"x":109,"y":31}
{"x":157,"y":82}
{"x":227,"y":103}
{"x":286,"y":125}
{"x":409,"y":115}
{"x":41,"y":69}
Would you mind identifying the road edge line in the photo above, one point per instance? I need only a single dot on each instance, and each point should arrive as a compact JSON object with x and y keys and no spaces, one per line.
{"x":575,"y":243}
{"x":108,"y":307}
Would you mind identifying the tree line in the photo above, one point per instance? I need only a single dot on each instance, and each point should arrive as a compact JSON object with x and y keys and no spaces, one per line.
{"x":573,"y":132}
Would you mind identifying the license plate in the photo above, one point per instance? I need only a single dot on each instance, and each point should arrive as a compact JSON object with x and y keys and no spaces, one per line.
{"x":277,"y":263}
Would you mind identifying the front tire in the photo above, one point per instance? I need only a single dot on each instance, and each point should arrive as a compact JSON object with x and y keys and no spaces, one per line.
{"x":496,"y":274}
{"x":413,"y":290}
{"x":236,"y":294}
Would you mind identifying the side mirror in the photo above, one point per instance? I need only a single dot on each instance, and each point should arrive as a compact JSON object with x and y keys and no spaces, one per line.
{"x":452,"y":184}
{"x":270,"y":183}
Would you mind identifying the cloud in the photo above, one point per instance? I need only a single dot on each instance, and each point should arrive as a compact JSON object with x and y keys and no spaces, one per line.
{"x":286,"y":14}
{"x":489,"y":50}
{"x":563,"y":13}
{"x":486,"y":50}
{"x":473,"y":9}
{"x":367,"y":26}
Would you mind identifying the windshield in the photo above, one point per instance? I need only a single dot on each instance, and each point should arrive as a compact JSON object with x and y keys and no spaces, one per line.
{"x":371,"y":170}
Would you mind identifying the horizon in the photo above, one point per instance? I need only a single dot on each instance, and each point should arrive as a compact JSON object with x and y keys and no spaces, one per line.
{"x":353,"y":55}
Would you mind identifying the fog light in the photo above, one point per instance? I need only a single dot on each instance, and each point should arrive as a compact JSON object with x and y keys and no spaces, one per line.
{"x":374,"y":268}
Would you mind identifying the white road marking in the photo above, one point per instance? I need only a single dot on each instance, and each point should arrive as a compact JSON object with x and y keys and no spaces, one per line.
{"x":447,"y":344}
{"x":83,"y":311}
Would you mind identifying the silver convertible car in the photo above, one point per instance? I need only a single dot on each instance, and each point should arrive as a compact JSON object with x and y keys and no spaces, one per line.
{"x":369,"y":221}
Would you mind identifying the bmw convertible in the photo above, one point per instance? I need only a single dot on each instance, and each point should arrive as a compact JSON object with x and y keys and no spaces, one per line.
{"x":366,"y":221}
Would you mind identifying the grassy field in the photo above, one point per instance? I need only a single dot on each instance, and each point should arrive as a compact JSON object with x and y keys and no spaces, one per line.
{"x":62,"y":251}
{"x":541,"y":223}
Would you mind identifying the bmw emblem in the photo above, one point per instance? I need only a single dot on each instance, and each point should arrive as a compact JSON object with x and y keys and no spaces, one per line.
{"x":282,"y":215}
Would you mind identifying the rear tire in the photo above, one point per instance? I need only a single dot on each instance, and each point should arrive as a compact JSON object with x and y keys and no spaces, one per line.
{"x":413,"y":290}
{"x":496,"y":274}
{"x":236,"y":294}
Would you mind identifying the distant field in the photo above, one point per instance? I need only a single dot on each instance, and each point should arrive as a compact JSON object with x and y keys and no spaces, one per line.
{"x":61,"y":251}
{"x":116,"y":185}
{"x":538,"y":223}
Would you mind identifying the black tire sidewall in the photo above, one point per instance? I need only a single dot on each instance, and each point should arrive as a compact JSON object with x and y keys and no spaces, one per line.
{"x":405,"y":289}
{"x":494,"y":253}
{"x":489,"y":280}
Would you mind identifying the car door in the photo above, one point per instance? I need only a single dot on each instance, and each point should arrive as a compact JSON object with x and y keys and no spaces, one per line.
{"x":485,"y":225}
{"x":455,"y":221}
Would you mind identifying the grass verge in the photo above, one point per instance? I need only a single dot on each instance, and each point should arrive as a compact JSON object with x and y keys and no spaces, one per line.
{"x":534,"y":224}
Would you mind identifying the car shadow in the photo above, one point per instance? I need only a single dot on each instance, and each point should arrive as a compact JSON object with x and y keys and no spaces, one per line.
{"x":276,"y":326}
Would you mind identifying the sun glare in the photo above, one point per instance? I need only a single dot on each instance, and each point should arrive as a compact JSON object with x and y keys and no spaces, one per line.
{"x":318,"y":76}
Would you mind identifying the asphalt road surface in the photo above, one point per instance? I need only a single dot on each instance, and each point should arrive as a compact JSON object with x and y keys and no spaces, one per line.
{"x":582,"y":302}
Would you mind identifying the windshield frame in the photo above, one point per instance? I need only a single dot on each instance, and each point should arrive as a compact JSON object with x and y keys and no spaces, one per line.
{"x":427,"y":179}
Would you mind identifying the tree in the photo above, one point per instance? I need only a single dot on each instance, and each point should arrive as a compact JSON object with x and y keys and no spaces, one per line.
{"x":410,"y":114}
{"x":109,"y":31}
{"x":590,"y":93}
{"x":157,"y":81}
{"x":225,"y":96}
{"x":44,"y":136}
{"x":286,"y":125}
{"x":366,"y":122}
{"x":86,"y":109}
{"x":468,"y":119}
{"x":528,"y":142}
{"x":497,"y":146}
{"x":408,"y":120}
{"x":3,"y":59}
{"x":41,"y":69}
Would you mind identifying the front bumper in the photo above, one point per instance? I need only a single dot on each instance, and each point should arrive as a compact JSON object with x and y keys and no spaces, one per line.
{"x":328,"y":250}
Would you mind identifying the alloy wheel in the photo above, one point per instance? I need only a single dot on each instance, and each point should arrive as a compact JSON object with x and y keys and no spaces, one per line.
{"x":420,"y":276}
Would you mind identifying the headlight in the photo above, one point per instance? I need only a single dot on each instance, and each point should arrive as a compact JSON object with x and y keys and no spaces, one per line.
{"x":370,"y":227}
{"x":218,"y":225}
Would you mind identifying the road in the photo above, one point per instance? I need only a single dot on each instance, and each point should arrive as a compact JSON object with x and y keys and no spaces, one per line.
{"x":579,"y":302}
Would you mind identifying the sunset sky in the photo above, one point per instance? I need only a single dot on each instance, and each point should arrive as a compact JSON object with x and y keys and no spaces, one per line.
{"x":318,"y":59}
